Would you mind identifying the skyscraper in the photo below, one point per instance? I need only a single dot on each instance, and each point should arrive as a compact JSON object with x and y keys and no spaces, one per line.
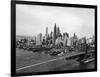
{"x":46,"y":32}
{"x":51,"y":35}
{"x":57,"y":31}
{"x":54,"y":34}
{"x":65,"y":38}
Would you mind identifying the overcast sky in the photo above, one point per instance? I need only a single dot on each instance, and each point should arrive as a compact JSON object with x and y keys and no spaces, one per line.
{"x":33,"y":19}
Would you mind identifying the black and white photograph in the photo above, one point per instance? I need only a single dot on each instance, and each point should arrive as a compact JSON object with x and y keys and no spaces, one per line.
{"x":54,"y":38}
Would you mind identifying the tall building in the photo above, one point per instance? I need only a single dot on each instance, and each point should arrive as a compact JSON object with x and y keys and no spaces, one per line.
{"x":74,"y":40}
{"x":54,"y":34}
{"x":46,"y":32}
{"x":93,"y":38}
{"x":57,"y":31}
{"x":51,"y":35}
{"x":65,"y":34}
{"x":39,"y":39}
{"x":65,"y":38}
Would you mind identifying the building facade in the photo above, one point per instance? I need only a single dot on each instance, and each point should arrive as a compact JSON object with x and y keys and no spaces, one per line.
{"x":39,"y":39}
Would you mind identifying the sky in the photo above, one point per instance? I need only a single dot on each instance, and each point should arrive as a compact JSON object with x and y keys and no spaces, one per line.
{"x":33,"y":19}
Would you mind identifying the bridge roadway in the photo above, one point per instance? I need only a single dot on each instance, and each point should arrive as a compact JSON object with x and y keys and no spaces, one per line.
{"x":48,"y":62}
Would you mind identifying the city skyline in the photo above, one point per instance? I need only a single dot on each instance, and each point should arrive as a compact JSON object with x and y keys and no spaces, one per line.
{"x":71,"y":20}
